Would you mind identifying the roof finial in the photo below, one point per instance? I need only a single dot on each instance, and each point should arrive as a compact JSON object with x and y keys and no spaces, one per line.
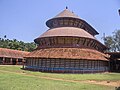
{"x":119,"y":11}
{"x":66,"y":7}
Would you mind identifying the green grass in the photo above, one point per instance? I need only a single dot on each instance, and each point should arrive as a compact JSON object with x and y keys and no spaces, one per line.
{"x":99,"y":76}
{"x":9,"y":81}
{"x":17,"y":79}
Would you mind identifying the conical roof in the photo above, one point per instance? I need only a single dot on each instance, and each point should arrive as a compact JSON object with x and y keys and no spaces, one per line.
{"x":66,"y":13}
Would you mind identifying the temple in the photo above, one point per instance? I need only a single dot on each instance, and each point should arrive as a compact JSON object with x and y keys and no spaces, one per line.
{"x":68,"y":46}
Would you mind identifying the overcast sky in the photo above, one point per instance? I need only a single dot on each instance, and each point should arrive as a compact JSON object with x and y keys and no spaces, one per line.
{"x":25,"y":19}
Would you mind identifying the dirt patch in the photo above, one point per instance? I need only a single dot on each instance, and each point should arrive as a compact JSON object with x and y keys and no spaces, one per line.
{"x":107,"y":83}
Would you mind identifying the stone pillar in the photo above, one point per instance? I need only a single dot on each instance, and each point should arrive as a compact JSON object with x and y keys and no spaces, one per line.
{"x":23,"y":63}
{"x":11,"y":61}
{"x":16,"y":61}
{"x":3,"y":62}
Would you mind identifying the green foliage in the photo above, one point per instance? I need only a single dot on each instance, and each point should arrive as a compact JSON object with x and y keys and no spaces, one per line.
{"x":113,"y":42}
{"x":17,"y":45}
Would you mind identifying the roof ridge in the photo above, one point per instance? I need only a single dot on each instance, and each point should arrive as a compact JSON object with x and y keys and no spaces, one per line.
{"x":12,"y":50}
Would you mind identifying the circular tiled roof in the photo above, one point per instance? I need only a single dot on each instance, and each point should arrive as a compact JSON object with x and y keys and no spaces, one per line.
{"x":68,"y":53}
{"x":67,"y":31}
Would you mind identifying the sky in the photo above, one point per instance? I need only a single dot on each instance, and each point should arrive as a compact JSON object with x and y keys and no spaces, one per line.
{"x":25,"y":19}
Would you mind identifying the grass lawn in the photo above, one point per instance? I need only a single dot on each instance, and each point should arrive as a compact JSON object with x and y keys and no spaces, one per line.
{"x":13,"y":78}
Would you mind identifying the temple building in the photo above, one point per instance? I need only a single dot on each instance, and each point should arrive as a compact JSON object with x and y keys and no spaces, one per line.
{"x":68,"y":46}
{"x":12,"y":57}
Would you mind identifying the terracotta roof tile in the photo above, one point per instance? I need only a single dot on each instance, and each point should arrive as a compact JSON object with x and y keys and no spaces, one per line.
{"x":4,"y":52}
{"x":67,"y":31}
{"x":66,"y":13}
{"x":69,"y":53}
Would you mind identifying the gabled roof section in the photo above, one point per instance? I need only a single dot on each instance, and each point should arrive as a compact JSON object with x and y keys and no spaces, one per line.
{"x":67,"y":13}
{"x":4,"y":52}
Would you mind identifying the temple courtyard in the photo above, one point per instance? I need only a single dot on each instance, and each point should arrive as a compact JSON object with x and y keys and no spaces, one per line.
{"x":14,"y":78}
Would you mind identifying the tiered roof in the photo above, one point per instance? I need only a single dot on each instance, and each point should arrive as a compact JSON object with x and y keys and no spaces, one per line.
{"x":68,"y":14}
{"x":70,"y":31}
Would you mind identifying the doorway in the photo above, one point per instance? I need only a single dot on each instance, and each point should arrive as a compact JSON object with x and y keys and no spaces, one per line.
{"x":14,"y":62}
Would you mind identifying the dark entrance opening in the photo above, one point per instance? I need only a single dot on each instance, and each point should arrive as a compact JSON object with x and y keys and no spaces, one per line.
{"x":14,"y":62}
{"x":1,"y":60}
{"x":20,"y":62}
{"x":114,"y":61}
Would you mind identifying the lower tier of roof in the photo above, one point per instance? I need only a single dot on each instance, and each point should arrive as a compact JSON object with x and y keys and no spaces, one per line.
{"x":68,"y":53}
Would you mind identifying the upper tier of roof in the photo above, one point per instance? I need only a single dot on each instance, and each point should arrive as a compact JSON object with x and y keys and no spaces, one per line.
{"x":68,"y":19}
{"x":67,"y":31}
{"x":4,"y":52}
{"x":66,"y":13}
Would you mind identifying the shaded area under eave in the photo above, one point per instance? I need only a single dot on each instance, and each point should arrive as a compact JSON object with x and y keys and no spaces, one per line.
{"x":68,"y":53}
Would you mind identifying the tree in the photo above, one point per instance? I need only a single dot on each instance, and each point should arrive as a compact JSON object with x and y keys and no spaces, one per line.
{"x":113,"y":42}
{"x":5,"y":36}
{"x":17,"y":45}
